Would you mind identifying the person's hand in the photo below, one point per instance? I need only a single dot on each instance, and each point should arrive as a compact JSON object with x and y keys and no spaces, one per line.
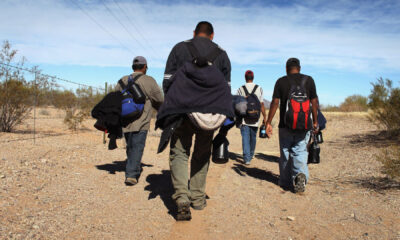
{"x":315,"y":128}
{"x":265,"y":122}
{"x":269,"y":129}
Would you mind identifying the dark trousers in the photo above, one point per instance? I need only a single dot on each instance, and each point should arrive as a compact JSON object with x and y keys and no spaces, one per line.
{"x":135,"y":142}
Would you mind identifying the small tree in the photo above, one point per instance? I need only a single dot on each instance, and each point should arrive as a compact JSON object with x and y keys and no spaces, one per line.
{"x":15,"y":94}
{"x":385,"y":104}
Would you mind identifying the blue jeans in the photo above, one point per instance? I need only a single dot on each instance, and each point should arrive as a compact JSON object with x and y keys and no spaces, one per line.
{"x":135,"y":142}
{"x":249,"y":137}
{"x":293,"y":160}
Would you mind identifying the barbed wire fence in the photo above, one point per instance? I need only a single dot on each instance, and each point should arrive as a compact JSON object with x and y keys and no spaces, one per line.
{"x":34,"y":76}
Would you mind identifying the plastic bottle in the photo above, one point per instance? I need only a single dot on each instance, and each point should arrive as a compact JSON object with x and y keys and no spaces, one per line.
{"x":263,"y":132}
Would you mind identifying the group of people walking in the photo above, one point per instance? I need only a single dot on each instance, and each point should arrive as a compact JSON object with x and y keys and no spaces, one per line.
{"x":197,"y":100}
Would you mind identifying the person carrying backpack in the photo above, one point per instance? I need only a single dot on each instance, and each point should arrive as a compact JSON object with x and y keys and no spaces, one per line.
{"x":135,"y":130}
{"x":255,"y":107}
{"x":298,"y":100}
{"x":187,"y":91}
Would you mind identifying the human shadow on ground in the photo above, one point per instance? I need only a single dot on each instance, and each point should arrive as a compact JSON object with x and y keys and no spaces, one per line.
{"x":118,"y":166}
{"x":161,"y":185}
{"x":239,"y":158}
{"x":266,"y":157}
{"x":235,"y":157}
{"x":31,"y":131}
{"x":375,"y":138}
{"x":256,"y":173}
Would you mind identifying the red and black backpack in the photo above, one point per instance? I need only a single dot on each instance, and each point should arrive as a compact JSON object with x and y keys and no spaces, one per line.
{"x":298,"y":110}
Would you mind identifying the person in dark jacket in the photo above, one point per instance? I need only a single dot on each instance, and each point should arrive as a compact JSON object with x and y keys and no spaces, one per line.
{"x":193,"y":195}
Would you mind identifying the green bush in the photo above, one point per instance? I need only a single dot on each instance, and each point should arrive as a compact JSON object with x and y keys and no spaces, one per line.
{"x":15,"y":94}
{"x":354,"y":103}
{"x":390,"y":158}
{"x":64,"y":99}
{"x":77,"y":106}
{"x":385,"y":105}
{"x":74,"y":118}
{"x":15,"y":99}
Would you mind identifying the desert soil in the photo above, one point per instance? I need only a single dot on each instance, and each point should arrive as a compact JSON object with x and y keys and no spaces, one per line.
{"x":68,"y":185}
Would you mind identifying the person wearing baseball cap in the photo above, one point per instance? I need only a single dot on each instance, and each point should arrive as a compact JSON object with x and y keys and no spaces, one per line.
{"x":293,"y":142}
{"x":136,"y":132}
{"x":139,"y":60}
{"x":250,"y":124}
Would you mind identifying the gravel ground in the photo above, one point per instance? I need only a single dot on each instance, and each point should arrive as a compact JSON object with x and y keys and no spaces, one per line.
{"x":69,"y":186}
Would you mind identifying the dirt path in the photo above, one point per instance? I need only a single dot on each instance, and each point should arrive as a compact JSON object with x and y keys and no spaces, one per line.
{"x":70,"y":186}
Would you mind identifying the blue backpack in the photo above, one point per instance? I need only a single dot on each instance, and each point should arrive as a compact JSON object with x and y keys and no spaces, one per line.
{"x":133,"y":100}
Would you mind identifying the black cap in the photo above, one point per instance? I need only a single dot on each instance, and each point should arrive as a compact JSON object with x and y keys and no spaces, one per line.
{"x":292,"y":62}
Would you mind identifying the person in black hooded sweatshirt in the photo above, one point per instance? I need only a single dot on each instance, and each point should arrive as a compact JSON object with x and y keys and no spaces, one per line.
{"x":193,"y":195}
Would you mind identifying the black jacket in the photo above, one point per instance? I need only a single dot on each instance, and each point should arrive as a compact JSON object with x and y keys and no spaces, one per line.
{"x":180,"y":54}
{"x":108,"y":115}
{"x":197,"y":90}
{"x":183,"y":95}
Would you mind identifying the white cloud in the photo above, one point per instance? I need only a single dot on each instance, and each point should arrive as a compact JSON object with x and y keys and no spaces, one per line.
{"x":339,"y":36}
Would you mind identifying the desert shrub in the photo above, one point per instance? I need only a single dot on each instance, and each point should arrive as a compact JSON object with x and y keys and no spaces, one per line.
{"x":384,"y":102}
{"x":15,"y":94}
{"x":74,"y":118}
{"x":77,"y":106}
{"x":87,"y":99}
{"x":42,"y":87}
{"x":329,"y":108}
{"x":390,"y":158}
{"x":44,"y":112}
{"x":15,"y":99}
{"x":64,"y":99}
{"x":354,"y":103}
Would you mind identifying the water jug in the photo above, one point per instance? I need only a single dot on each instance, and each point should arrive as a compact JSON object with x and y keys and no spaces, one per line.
{"x":319,"y":138}
{"x":263,"y":132}
{"x":220,"y":153}
{"x":313,"y":152}
{"x":137,"y":94}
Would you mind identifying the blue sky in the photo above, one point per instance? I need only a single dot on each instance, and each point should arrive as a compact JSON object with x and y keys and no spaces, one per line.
{"x":344,"y":45}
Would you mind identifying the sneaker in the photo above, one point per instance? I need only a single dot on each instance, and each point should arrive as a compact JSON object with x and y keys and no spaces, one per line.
{"x":130,"y":181}
{"x":183,"y":213}
{"x":199,"y":207}
{"x":300,"y":183}
{"x":247,"y":163}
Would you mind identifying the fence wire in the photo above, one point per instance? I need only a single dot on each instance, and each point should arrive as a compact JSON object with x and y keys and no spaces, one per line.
{"x":54,"y":84}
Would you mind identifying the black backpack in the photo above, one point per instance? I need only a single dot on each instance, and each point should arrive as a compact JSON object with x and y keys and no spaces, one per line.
{"x":298,"y":107}
{"x":253,"y":104}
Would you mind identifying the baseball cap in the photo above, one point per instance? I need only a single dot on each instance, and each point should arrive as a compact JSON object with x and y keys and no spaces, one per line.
{"x":139,"y":60}
{"x":292,"y":62}
{"x":249,"y":74}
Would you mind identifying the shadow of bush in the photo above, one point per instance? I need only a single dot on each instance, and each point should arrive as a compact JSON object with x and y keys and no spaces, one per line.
{"x":378,"y":184}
